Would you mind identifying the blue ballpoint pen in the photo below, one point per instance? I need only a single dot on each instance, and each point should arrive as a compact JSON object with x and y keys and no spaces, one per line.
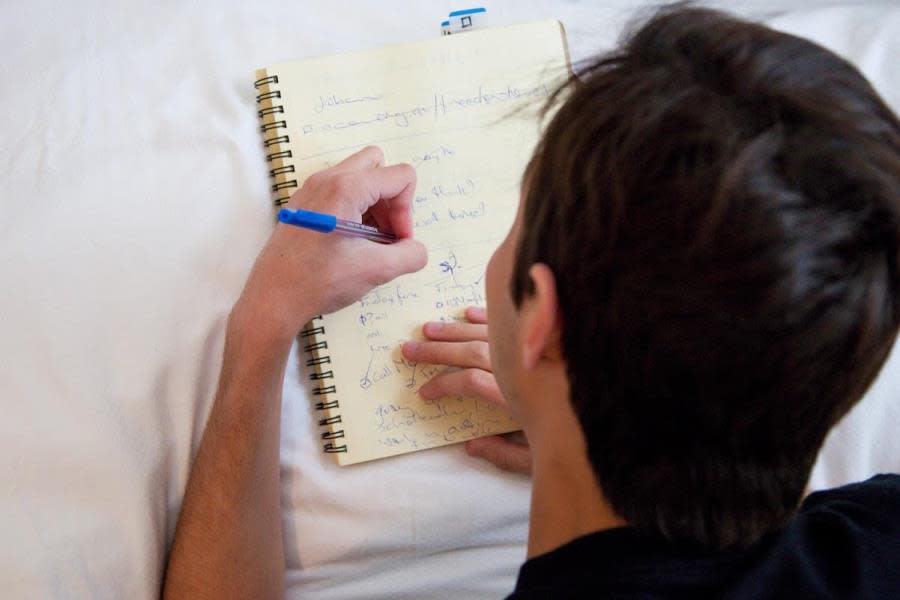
{"x":328,"y":223}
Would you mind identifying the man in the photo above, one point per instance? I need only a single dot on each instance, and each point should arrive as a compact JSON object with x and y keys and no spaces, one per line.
{"x":701,"y":281}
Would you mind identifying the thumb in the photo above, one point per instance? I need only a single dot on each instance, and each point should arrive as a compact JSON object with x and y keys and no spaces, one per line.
{"x":389,"y":261}
{"x":503,"y":453}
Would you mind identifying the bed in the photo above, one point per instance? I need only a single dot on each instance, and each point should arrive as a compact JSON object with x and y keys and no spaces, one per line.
{"x":134,"y":201}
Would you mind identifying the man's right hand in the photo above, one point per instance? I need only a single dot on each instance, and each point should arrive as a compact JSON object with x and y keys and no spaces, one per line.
{"x":465,"y":346}
{"x":302,"y":273}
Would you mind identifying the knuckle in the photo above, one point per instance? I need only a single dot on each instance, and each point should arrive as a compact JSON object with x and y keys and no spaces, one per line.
{"x":500,"y":458}
{"x":339,"y":186}
{"x":516,"y":463}
{"x":376,"y":152}
{"x":420,"y":258}
{"x":506,"y":462}
{"x":407,"y":170}
{"x":437,"y":386}
{"x":316,"y":179}
{"x":478,"y":353}
{"x":474,"y":381}
{"x":458,"y":331}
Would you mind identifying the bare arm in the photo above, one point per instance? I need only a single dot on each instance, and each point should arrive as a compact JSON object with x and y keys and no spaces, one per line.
{"x":228,"y":541}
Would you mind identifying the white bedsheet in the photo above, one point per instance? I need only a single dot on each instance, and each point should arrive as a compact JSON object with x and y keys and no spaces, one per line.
{"x":133,"y":200}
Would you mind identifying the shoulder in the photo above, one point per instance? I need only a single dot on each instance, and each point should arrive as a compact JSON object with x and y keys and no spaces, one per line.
{"x":842,"y":543}
{"x":847,"y":539}
{"x":880,"y":493}
{"x":868,"y":509}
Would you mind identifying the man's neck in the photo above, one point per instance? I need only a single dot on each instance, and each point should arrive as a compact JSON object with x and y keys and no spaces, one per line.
{"x":566,"y":501}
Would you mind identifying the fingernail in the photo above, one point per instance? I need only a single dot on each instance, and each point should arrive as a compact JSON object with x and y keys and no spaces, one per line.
{"x":432,"y":327}
{"x":425,"y":392}
{"x":410,"y":347}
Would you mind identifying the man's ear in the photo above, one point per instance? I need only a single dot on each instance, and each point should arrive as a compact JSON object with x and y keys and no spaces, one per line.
{"x":540,"y":318}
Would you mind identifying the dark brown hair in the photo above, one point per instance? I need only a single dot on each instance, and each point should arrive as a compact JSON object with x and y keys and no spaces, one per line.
{"x":720,"y":205}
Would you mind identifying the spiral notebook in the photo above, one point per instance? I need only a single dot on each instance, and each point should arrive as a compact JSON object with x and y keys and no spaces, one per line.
{"x":462,"y":109}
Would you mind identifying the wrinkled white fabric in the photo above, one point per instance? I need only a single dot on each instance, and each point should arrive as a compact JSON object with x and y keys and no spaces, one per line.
{"x":133,"y":200}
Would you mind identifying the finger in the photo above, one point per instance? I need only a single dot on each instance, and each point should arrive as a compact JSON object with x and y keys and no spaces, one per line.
{"x":389,"y":261}
{"x":503,"y":453}
{"x":454,"y":331}
{"x":469,"y":382}
{"x":369,"y":157}
{"x":473,"y":354}
{"x":476,"y":314}
{"x":389,"y":196}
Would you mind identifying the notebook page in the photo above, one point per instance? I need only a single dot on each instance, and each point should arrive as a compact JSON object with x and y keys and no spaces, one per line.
{"x":451,"y":108}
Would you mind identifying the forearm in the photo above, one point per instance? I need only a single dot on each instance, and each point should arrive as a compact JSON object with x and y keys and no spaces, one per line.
{"x":228,"y":541}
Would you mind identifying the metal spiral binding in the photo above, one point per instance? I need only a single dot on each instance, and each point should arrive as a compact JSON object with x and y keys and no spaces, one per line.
{"x":318,"y":361}
{"x":275,"y":138}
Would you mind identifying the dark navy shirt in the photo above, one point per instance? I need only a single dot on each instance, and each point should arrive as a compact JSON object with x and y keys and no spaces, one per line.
{"x":842,"y":543}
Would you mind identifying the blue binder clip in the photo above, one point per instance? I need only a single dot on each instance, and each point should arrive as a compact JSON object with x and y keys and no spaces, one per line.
{"x":460,"y":21}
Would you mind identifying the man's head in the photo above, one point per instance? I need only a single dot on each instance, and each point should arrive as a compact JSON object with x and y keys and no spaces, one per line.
{"x":711,"y":227}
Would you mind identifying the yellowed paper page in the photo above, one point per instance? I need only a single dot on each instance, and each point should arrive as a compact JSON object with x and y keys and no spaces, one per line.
{"x":462,"y":110}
